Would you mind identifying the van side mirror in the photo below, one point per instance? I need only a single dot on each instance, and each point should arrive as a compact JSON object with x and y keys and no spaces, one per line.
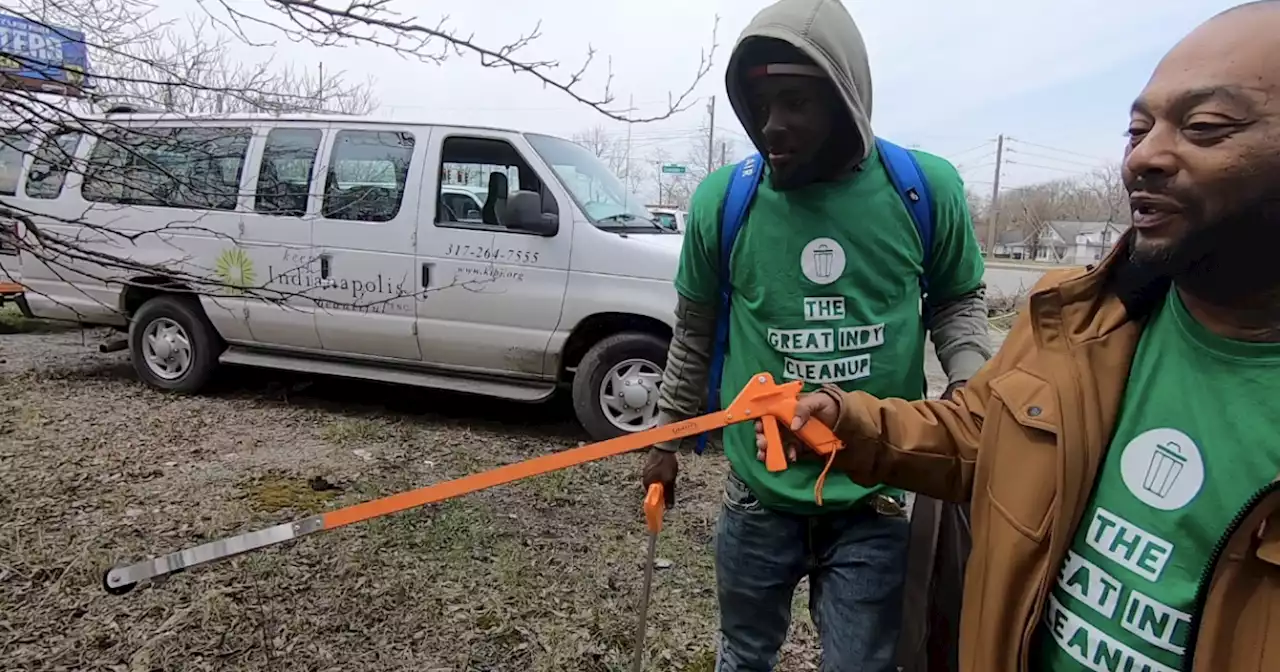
{"x":525,"y":213}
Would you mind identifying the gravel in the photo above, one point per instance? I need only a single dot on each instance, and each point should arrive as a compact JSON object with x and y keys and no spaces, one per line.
{"x":540,"y":575}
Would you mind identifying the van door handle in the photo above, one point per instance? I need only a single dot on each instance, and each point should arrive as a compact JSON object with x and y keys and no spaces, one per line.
{"x":325,"y":269}
{"x":426,"y":275}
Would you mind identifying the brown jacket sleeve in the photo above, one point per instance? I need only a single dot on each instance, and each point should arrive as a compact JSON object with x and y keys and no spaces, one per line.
{"x":930,"y":446}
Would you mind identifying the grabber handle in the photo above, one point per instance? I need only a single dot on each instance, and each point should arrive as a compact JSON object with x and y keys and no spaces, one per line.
{"x":817,"y":436}
{"x":814,"y":434}
{"x":761,"y":399}
{"x":655,"y":504}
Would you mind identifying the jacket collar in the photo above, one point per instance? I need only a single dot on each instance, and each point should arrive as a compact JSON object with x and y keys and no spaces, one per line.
{"x":1097,"y":300}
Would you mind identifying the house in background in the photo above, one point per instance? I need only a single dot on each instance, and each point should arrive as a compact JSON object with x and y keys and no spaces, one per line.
{"x":1011,"y":245}
{"x":1076,"y":243}
{"x":1060,"y":242}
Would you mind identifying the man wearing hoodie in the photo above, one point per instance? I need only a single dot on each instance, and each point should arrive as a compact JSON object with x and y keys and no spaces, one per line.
{"x":826,"y":276}
{"x":1122,"y":451}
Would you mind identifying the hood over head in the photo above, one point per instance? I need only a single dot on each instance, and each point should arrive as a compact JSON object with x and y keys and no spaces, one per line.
{"x":825,"y":33}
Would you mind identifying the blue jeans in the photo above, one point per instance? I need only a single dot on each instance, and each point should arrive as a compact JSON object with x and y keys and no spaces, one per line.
{"x":855,"y":561}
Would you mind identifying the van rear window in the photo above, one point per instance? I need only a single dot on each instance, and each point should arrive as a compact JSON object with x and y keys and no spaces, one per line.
{"x":13,"y":147}
{"x":187,"y":167}
{"x":284,"y":180}
{"x":51,"y":163}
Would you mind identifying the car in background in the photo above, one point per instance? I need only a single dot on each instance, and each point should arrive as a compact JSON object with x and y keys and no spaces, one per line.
{"x":670,"y":217}
{"x":466,"y":203}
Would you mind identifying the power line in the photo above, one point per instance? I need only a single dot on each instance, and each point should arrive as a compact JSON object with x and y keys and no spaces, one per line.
{"x":985,"y":143}
{"x":1059,"y":150}
{"x":964,"y":165}
{"x":1015,"y":150}
{"x":1036,"y":165}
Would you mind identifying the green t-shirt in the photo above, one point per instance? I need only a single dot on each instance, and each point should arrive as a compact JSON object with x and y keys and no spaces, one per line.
{"x":826,"y":290}
{"x":1195,"y":440}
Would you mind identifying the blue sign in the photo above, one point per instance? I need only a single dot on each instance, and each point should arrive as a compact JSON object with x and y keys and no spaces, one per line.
{"x":54,"y":54}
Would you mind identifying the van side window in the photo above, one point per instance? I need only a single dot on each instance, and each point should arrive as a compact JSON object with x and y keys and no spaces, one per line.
{"x":490,"y":169}
{"x":13,"y":148}
{"x":194,"y":167}
{"x":51,"y":163}
{"x":367,"y":175}
{"x":284,"y":180}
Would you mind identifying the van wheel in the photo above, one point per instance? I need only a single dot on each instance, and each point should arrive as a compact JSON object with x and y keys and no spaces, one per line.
{"x":615,"y":390}
{"x":174,"y":348}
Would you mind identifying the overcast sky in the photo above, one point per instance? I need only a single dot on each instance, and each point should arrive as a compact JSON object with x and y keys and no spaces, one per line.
{"x":1057,"y":77}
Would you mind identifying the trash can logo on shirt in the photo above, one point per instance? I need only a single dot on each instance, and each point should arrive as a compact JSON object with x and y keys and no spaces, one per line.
{"x":1163,"y":468}
{"x":822,"y":261}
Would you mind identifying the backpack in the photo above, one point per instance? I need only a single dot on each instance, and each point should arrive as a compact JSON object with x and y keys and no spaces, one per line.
{"x":939,"y":539}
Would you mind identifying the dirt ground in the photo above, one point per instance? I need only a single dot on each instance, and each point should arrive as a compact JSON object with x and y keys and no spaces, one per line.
{"x":536,"y":576}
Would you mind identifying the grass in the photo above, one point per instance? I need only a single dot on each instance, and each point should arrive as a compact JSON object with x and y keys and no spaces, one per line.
{"x":354,"y":431}
{"x":12,"y":321}
{"x":540,"y":575}
{"x":275,"y":493}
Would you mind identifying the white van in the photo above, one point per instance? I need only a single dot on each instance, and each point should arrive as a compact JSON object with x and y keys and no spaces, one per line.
{"x":335,"y":249}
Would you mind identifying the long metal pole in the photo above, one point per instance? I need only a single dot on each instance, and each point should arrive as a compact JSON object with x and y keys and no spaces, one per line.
{"x":994,"y":216}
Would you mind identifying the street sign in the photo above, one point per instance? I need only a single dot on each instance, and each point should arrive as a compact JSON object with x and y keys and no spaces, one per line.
{"x":673,"y":169}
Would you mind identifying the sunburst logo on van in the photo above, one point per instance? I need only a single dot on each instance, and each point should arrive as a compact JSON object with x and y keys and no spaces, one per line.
{"x":234,"y":269}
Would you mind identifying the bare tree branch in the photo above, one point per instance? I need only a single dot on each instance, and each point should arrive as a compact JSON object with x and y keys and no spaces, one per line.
{"x":346,"y":22}
{"x":186,"y":68}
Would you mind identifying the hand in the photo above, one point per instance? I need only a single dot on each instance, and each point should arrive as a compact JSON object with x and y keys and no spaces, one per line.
{"x":662,"y":466}
{"x":951,"y":390}
{"x":819,"y":406}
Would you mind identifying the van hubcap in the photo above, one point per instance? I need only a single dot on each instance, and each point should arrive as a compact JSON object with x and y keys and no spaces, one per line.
{"x":166,"y":347}
{"x":629,"y":395}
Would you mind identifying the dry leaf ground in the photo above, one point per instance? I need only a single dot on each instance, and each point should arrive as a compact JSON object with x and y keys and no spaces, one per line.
{"x":536,"y":576}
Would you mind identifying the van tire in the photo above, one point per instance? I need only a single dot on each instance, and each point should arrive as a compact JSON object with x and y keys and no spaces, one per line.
{"x":202,"y":340}
{"x":644,"y":353}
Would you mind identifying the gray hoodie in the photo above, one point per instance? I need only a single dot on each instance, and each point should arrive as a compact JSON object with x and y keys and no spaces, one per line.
{"x":825,"y":32}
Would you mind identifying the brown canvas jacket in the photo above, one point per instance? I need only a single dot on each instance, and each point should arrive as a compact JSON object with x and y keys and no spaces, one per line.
{"x":1024,"y":439}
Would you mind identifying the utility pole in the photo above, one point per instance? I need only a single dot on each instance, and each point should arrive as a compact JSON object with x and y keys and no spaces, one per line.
{"x":711,"y":134}
{"x":994,"y":208}
{"x":631,"y":106}
{"x":724,"y":149}
{"x":660,"y":201}
{"x":319,"y":104}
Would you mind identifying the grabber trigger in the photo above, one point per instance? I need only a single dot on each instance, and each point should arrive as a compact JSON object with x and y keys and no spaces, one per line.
{"x":774,"y":457}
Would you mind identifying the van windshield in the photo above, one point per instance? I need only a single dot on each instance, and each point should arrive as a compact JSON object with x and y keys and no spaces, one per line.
{"x":599,"y":192}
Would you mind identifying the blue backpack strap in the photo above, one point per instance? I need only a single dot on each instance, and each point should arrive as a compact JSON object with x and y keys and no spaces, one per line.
{"x":912,"y":186}
{"x":737,"y":199}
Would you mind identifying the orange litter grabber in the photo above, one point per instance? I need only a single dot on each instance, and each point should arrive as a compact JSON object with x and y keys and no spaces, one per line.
{"x":760,"y":399}
{"x":655,"y":504}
